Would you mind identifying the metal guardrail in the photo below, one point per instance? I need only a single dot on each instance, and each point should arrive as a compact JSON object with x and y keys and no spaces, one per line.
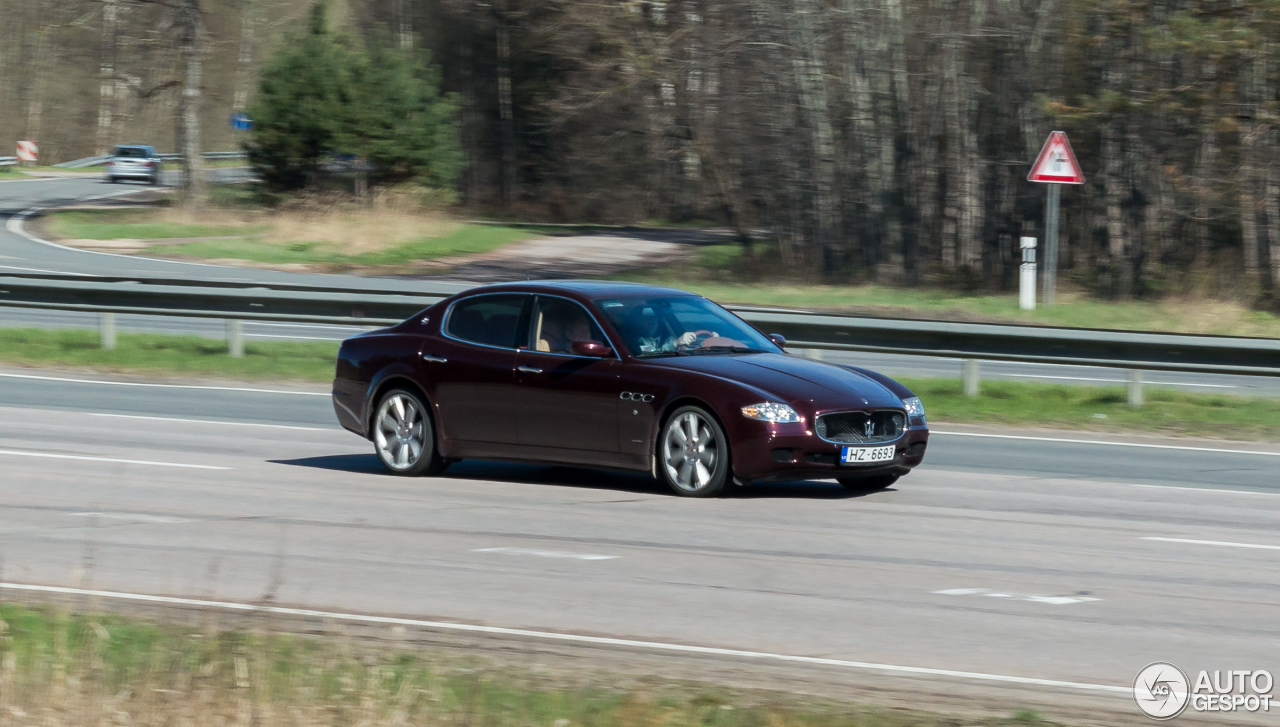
{"x":8,"y":161}
{"x":973,"y":342}
{"x":96,"y":160}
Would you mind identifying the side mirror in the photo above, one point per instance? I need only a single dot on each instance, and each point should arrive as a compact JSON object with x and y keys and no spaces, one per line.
{"x":779,"y":339}
{"x":591,"y":348}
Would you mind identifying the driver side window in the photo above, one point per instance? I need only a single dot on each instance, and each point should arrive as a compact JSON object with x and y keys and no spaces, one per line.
{"x":557,"y":323}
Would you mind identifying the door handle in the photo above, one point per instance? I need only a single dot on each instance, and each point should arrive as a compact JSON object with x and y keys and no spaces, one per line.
{"x":529,"y":370}
{"x":433,"y":359}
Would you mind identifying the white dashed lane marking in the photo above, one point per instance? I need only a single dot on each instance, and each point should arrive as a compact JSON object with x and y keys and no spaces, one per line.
{"x":545,"y":553}
{"x":1051,"y":600}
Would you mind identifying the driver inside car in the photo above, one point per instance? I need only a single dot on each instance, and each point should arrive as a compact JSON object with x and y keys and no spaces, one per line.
{"x":651,"y":339}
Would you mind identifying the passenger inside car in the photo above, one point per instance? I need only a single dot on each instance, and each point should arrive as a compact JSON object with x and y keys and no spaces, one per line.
{"x":562,"y":323}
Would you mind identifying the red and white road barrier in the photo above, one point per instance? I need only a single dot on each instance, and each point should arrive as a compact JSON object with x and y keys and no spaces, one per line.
{"x":28,"y":151}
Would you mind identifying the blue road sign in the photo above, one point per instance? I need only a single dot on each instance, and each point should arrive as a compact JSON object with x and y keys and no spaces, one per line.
{"x":240,"y":121}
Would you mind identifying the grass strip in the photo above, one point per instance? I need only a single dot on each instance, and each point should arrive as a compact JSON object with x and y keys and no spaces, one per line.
{"x":713,"y":274}
{"x":130,"y":224}
{"x":469,"y":240}
{"x":1014,"y":403}
{"x":108,"y":669}
{"x":1165,"y":411}
{"x":150,"y":353}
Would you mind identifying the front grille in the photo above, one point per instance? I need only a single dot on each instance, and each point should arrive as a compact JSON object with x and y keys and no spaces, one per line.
{"x":850,"y":427}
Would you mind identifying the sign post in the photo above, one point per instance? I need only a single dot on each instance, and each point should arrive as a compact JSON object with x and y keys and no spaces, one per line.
{"x":1055,"y":166}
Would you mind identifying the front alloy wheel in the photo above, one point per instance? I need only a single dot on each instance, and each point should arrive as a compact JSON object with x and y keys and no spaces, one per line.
{"x":403,"y":435}
{"x":693,"y":458}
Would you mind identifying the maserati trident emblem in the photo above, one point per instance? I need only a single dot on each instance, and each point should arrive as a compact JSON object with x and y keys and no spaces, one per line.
{"x":869,"y":428}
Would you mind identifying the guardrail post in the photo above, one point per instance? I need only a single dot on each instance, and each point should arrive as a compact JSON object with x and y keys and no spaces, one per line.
{"x":1135,"y":388}
{"x":107,"y":327}
{"x":971,"y":379}
{"x":235,"y":338}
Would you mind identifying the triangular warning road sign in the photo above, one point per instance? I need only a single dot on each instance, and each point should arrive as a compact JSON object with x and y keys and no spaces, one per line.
{"x":1057,"y":163}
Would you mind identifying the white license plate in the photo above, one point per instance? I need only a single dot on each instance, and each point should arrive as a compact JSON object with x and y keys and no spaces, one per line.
{"x":866,"y":455}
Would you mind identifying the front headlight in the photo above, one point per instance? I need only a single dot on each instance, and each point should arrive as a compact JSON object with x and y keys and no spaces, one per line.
{"x":914,"y":407}
{"x":771,"y":412}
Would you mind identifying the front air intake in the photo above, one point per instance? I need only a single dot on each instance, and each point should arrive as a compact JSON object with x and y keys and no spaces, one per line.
{"x":860,"y":427}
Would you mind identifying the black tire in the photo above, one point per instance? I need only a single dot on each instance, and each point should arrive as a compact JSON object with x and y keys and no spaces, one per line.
{"x":868,"y":484}
{"x":693,"y":455}
{"x":111,"y":180}
{"x":402,"y":424}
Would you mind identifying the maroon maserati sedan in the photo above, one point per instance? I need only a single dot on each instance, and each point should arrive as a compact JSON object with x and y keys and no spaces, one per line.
{"x":619,"y":375}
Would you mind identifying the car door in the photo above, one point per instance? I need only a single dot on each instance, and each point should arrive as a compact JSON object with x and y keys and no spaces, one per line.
{"x":565,"y":401}
{"x":470,"y":367}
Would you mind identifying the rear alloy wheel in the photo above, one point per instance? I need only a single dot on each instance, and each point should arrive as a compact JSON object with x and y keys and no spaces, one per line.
{"x":868,"y":484}
{"x":403,"y":435}
{"x":693,"y":457}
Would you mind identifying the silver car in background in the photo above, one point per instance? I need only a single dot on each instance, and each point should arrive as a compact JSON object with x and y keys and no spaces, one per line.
{"x":138,"y":162}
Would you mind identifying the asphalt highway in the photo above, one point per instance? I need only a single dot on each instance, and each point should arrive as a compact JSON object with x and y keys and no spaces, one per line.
{"x":1035,"y":558}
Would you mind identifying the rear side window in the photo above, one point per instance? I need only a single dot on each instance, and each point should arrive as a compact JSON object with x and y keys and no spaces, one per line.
{"x":492,"y":320}
{"x":132,"y":152}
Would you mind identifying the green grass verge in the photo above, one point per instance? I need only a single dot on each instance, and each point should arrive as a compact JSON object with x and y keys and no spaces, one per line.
{"x":1002,"y":402}
{"x":470,"y":239}
{"x":245,"y":243}
{"x":1165,"y":411}
{"x":713,"y":275}
{"x":108,"y":669}
{"x":131,"y":224}
{"x":170,"y":355}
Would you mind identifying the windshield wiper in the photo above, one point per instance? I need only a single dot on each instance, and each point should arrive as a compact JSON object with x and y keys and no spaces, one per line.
{"x":662,"y":354}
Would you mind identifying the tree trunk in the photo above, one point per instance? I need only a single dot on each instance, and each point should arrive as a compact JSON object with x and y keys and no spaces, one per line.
{"x":195,"y":188}
{"x":245,"y":75}
{"x":811,"y":86}
{"x":404,"y":22}
{"x":505,"y":105}
{"x":107,"y":77}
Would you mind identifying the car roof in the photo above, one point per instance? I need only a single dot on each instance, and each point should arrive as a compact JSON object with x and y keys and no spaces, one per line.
{"x":590,"y":289}
{"x":135,"y":146}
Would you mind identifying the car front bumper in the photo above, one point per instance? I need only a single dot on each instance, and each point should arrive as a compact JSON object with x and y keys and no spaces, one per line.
{"x":781,"y":452}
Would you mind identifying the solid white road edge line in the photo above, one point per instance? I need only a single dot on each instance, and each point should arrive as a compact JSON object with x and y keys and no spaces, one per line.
{"x":211,"y":421}
{"x":1108,"y":444}
{"x":112,"y":460}
{"x":576,"y":638}
{"x":163,"y":386}
{"x":1215,"y":542}
{"x":15,"y":225}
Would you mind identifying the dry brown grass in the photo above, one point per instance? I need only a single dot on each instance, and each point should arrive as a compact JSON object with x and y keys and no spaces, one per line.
{"x":339,"y":222}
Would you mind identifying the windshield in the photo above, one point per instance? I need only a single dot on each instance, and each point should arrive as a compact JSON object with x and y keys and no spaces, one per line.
{"x":679,"y":325}
{"x":131,"y":152}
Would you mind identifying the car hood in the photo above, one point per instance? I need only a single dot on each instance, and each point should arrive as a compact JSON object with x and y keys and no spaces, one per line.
{"x":812,"y":384}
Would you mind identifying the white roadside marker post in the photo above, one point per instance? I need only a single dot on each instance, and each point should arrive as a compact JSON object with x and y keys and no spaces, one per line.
{"x":1135,"y":388}
{"x":235,"y":338}
{"x":971,"y":379}
{"x":1027,"y":275}
{"x":107,"y":327}
{"x":1055,"y":166}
